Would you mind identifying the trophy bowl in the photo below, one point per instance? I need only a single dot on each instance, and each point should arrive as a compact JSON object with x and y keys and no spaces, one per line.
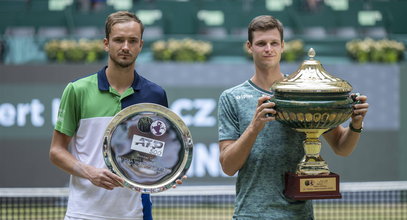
{"x":312,"y":101}
{"x":149,"y":146}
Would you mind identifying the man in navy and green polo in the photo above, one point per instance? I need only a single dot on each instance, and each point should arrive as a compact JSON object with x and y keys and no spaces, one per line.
{"x":86,"y":108}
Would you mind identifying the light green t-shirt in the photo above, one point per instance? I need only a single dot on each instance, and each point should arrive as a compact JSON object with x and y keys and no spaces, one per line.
{"x":277,"y":150}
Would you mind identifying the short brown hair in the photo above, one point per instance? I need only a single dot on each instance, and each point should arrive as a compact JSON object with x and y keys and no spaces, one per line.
{"x":121,"y":17}
{"x":264,"y":23}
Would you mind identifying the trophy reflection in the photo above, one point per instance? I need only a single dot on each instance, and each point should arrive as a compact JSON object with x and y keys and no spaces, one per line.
{"x":312,"y":101}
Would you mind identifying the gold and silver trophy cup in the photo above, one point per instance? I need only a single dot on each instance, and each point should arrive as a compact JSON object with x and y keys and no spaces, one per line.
{"x":312,"y":101}
{"x":149,"y":146}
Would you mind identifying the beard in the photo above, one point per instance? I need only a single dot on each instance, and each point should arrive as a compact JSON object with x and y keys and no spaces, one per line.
{"x":123,"y":63}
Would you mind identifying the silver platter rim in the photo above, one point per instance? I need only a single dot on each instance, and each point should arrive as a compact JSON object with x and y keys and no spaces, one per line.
{"x":170,"y":116}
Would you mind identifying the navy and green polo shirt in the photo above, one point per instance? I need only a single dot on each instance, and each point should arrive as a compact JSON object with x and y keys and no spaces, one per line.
{"x":86,"y":108}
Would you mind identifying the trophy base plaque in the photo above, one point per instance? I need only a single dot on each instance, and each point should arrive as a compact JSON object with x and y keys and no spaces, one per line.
{"x":307,"y":187}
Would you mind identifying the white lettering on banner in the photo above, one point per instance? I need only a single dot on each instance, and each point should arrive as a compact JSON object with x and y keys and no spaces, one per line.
{"x":203,"y":107}
{"x":182,"y":104}
{"x":201,"y":112}
{"x":205,"y":161}
{"x":22,"y":111}
{"x":7,"y":115}
{"x":36,"y":109}
{"x":11,"y":115}
{"x":203,"y":117}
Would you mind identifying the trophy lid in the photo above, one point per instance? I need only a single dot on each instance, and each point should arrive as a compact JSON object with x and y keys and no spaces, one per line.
{"x":311,"y":77}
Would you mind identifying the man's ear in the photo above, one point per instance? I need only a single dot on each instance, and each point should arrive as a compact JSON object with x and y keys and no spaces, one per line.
{"x":106,"y":44}
{"x":282,"y":46}
{"x":249,"y":47}
{"x":141,"y":43}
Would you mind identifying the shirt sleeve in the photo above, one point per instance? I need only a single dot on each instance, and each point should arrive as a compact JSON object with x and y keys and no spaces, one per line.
{"x":227,"y":118}
{"x":68,"y":114}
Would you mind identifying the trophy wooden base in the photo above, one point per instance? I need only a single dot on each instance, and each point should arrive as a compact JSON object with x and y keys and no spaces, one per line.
{"x":306,"y":187}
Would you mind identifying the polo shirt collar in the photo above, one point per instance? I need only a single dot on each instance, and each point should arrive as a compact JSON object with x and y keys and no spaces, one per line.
{"x":104,"y":85}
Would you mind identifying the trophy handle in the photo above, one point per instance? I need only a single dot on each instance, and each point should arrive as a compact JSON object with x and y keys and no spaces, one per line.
{"x":268,"y":101}
{"x":353,"y":97}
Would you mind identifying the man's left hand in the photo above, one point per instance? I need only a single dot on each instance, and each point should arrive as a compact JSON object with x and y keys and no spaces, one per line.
{"x":359,"y":111}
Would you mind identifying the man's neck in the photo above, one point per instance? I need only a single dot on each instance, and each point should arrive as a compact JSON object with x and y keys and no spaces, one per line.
{"x":265,"y":79}
{"x":120,"y":78}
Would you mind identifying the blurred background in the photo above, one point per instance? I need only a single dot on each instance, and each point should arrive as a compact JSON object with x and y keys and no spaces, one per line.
{"x":195,"y":50}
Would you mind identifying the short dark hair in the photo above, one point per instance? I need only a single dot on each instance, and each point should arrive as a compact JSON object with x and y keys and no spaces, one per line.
{"x":121,"y":17}
{"x":264,"y":23}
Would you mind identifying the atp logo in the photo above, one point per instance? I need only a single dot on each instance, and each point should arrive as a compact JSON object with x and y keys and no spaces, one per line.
{"x":147,"y":145}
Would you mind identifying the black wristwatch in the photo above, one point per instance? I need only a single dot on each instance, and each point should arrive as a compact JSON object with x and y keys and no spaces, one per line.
{"x":354,"y":129}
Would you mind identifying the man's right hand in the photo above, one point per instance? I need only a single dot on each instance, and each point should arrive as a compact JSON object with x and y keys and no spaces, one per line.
{"x":263,"y":111}
{"x":101,"y":177}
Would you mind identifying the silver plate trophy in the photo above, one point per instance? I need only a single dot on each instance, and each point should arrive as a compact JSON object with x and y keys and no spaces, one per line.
{"x":149,"y":146}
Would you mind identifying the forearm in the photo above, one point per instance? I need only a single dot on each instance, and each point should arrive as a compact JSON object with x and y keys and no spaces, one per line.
{"x":63,"y":159}
{"x":235,"y":153}
{"x":348,"y":142}
{"x":342,"y":140}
